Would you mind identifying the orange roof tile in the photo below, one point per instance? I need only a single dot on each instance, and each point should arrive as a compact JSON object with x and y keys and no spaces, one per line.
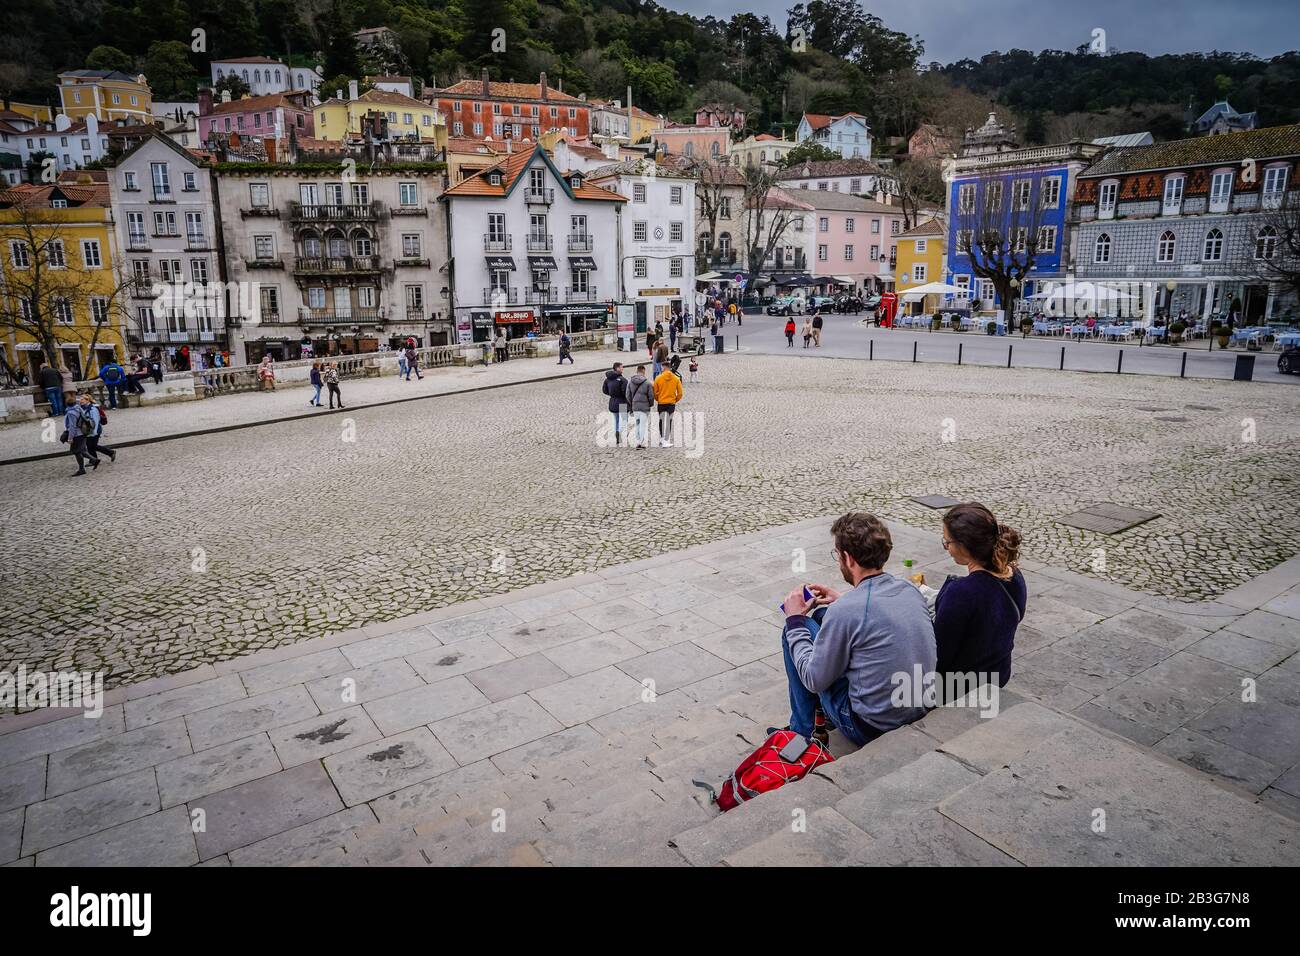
{"x":512,"y":168}
{"x":508,"y":91}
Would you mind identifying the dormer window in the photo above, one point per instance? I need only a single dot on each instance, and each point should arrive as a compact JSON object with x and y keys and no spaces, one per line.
{"x":575,"y":182}
{"x":494,"y":178}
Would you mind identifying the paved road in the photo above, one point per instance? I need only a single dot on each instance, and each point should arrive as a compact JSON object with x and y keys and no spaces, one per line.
{"x":845,"y":337}
{"x":202,"y":549}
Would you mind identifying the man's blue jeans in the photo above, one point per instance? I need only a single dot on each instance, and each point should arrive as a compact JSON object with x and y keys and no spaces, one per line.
{"x":834,"y":700}
{"x":111,"y":388}
{"x":55,"y":396}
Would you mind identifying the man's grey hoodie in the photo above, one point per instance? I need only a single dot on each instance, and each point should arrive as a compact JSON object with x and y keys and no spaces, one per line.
{"x":640,"y":393}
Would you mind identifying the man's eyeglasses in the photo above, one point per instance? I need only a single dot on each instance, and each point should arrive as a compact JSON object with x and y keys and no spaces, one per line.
{"x":946,"y":542}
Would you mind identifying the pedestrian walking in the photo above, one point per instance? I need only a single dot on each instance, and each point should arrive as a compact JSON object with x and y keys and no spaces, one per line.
{"x":114,"y":378}
{"x":51,"y":382}
{"x":100,"y":418}
{"x":615,"y":387}
{"x":78,"y":425}
{"x":660,"y":357}
{"x":499,"y":347}
{"x":566,"y":344}
{"x":695,"y":369}
{"x":672,"y":334}
{"x":640,"y":399}
{"x":807,"y":332}
{"x":817,"y":329}
{"x":668,"y":392}
{"x":401,"y":362}
{"x":789,"y":333}
{"x":266,"y":373}
{"x":316,"y":382}
{"x":332,"y":383}
{"x":716,"y":329}
{"x":412,"y":363}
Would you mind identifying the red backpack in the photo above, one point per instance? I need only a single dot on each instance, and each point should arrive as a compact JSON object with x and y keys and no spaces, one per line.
{"x":765,"y":769}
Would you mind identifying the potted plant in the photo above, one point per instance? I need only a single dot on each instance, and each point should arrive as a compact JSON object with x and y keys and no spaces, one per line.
{"x":1026,"y":326}
{"x":936,"y":321}
{"x":1176,"y":330}
{"x":1224,"y":334}
{"x":956,"y":323}
{"x":991,"y":327}
{"x":976,"y":305}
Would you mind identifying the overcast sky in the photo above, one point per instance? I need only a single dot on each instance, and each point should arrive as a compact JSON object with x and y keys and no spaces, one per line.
{"x":956,"y":29}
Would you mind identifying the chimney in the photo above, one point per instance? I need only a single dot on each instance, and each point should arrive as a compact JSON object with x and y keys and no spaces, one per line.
{"x":542,"y":83}
{"x":487,"y":88}
{"x":225,"y":96}
{"x":880,"y":196}
{"x":509,"y":146}
{"x":205,"y":101}
{"x":352,"y":89}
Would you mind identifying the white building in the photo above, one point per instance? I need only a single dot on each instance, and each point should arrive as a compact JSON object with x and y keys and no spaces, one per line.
{"x":849,"y":135}
{"x":265,"y":75}
{"x":180,"y":121}
{"x":764,"y":149}
{"x":858,"y":177}
{"x":341,"y":264}
{"x":167,"y":230}
{"x":657,"y":236}
{"x":531,"y":249}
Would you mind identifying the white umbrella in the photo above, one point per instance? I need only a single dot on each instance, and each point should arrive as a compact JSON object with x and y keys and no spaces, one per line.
{"x":708,"y":277}
{"x":934,"y":288}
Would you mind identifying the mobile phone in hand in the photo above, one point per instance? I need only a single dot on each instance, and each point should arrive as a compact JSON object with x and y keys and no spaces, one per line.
{"x":808,"y":596}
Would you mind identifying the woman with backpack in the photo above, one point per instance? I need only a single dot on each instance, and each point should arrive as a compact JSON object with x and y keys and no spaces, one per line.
{"x":412,"y":363}
{"x":332,"y":382}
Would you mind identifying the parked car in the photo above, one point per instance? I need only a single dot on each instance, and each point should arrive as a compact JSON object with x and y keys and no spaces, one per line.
{"x":1288,"y":363}
{"x":871,"y":301}
{"x":820,"y":303}
{"x":787,"y":305}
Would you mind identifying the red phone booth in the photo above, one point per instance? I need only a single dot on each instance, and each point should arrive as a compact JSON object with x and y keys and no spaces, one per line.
{"x":888,"y":309}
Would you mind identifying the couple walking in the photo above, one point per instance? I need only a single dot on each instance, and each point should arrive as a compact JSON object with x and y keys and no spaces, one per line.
{"x":327,"y":375}
{"x":83,"y":424}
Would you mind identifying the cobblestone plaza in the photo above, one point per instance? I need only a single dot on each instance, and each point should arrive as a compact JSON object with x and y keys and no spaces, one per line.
{"x":202,"y":549}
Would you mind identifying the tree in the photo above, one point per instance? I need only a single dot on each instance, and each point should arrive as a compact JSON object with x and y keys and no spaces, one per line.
{"x":809,"y":151}
{"x":110,"y":58}
{"x":40,"y":297}
{"x":769,"y":212}
{"x":168,"y":69}
{"x":998,"y":228}
{"x":1273,"y":253}
{"x":715,"y":183}
{"x":920,"y":182}
{"x":232,"y":82}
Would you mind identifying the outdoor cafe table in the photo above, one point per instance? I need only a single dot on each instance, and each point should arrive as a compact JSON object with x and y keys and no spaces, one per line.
{"x":1288,"y":338}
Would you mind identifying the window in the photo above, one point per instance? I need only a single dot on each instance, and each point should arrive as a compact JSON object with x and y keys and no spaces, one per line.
{"x":875,"y":227}
{"x":194,"y":228}
{"x":639,"y":270}
{"x":1165,"y":247}
{"x":821,"y":253}
{"x":199,"y":271}
{"x":965,"y":240}
{"x":993,"y":196}
{"x":675,"y":196}
{"x":824,"y":224}
{"x":362,"y":245}
{"x":411,"y":246}
{"x":315,"y":297}
{"x":408,"y":194}
{"x":875,"y":253}
{"x":128,"y":181}
{"x":496,"y":227}
{"x":1174,"y":194}
{"x":638,"y":192}
{"x":849,"y":224}
{"x":407,"y":119}
{"x":855,"y":185}
{"x":162,"y":186}
{"x":259,"y":195}
{"x":1213,"y":246}
{"x":191,"y":183}
{"x":458,"y":128}
{"x":848,"y":253}
{"x":724,"y":207}
{"x":1046,"y":239}
{"x":1220,"y":189}
{"x":919,"y":272}
{"x":135,"y":229}
{"x":638,"y":232}
{"x":415,"y":300}
{"x":98,"y":309}
{"x":54,"y":255}
{"x":1101,"y":249}
{"x":171,"y":270}
{"x":919,"y":245}
{"x":19,"y":254}
{"x":263,"y":247}
{"x":1018,"y":239}
{"x":1050,"y":189}
{"x":1266,"y":243}
{"x":894,"y":227}
{"x":62,"y":310}
{"x":1020,"y":191}
{"x":366,"y":296}
{"x":90,"y":253}
{"x":1106,"y":197}
{"x":675,"y":268}
{"x":360,"y":193}
{"x":146,"y":320}
{"x":1274,"y":186}
{"x":675,"y":232}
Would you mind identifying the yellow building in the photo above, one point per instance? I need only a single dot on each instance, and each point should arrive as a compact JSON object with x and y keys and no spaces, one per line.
{"x":921,"y":261}
{"x":76,"y":301}
{"x":642,"y":124}
{"x":108,"y":94}
{"x":407,"y":118}
{"x":41,"y":114}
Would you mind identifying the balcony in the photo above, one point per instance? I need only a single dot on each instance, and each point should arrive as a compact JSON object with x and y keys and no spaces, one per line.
{"x":267,"y":263}
{"x":335,"y":265}
{"x":334,"y":317}
{"x":357,"y":212}
{"x":799,"y":263}
{"x":501,"y":294}
{"x":719,"y":260}
{"x":541,"y":297}
{"x":539,"y":197}
{"x":416,"y":262}
{"x":137,"y":243}
{"x":197,"y":244}
{"x":539,"y":243}
{"x":580,"y":243}
{"x":581,"y":295}
{"x":410,"y":211}
{"x":496,"y":243}
{"x":256,"y":212}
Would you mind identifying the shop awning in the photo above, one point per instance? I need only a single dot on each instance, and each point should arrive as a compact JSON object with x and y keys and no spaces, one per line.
{"x":708,"y":276}
{"x":501,"y":262}
{"x":541,"y":262}
{"x":582,"y":262}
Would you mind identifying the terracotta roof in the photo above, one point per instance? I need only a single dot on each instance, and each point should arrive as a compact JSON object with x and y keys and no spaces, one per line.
{"x":15,"y":115}
{"x":856,"y":166}
{"x":254,"y":103}
{"x":507,"y":91}
{"x":466,"y":144}
{"x":512,"y":167}
{"x":932,"y":227}
{"x":589,"y":150}
{"x":71,"y":176}
{"x":27,"y":194}
{"x":707,"y":171}
{"x":389,"y":98}
{"x":822,"y":120}
{"x":1230,"y":148}
{"x":844,"y":202}
{"x":778,"y":198}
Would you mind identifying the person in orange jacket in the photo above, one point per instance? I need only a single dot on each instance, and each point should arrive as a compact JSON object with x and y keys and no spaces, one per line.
{"x":668,"y":392}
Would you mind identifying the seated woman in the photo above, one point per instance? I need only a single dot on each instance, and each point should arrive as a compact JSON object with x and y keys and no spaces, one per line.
{"x":975,"y":617}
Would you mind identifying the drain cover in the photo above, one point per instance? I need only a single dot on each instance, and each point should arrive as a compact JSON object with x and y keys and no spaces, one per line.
{"x":1107,"y":518}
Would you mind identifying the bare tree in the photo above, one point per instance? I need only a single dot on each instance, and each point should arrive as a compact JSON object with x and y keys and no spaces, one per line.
{"x":999,"y":220}
{"x":46,"y":281}
{"x":920,"y":182}
{"x":713,"y":179}
{"x":1273,"y":251}
{"x":768,"y":213}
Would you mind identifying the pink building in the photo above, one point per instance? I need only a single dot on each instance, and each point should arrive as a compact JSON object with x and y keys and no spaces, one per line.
{"x":255,"y":117}
{"x":855,"y":242}
{"x":693,"y":142}
{"x":720,"y":114}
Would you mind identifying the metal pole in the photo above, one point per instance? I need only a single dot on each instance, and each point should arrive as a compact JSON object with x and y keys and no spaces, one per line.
{"x":959,"y":345}
{"x":914,"y":352}
{"x":1119,"y":366}
{"x":1182,"y":372}
{"x":1062,"y":358}
{"x":871,"y":349}
{"x":1009,"y":348}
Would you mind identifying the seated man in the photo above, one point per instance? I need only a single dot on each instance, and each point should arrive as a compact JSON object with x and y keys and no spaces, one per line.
{"x":845,"y":655}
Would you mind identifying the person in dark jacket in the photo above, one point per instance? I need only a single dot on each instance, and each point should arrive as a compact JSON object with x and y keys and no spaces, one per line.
{"x":316,"y":382}
{"x":640,"y":399}
{"x":566,"y":346}
{"x":976,"y":616}
{"x":93,"y":445}
{"x":51,"y":382}
{"x":114,"y":378}
{"x":615,"y":386}
{"x":79,"y":423}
